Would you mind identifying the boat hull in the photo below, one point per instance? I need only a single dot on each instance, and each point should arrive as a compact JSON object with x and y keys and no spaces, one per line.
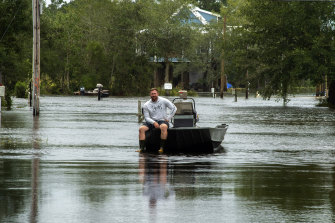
{"x":187,"y":139}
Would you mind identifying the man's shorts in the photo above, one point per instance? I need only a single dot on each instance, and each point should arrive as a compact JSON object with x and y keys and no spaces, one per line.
{"x":151,"y":126}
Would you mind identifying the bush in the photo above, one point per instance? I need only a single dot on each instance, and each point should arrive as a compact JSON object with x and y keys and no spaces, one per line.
{"x":6,"y":102}
{"x":20,"y":89}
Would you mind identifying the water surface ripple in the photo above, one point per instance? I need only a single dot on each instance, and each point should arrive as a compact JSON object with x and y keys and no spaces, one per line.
{"x":76,"y":162}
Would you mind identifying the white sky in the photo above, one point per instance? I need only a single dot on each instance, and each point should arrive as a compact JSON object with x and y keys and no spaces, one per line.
{"x":49,"y":1}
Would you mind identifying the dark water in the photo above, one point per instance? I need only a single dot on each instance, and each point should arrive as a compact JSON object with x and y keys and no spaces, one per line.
{"x":76,"y":163}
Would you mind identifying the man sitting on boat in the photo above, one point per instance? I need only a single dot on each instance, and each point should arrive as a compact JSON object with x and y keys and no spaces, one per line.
{"x":155,"y":115}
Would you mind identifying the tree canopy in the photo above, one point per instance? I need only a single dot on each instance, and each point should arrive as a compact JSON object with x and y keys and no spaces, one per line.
{"x":273,"y":45}
{"x":280,"y":44}
{"x":15,"y":43}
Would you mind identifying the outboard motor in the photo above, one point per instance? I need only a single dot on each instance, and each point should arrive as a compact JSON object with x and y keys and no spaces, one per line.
{"x":82,"y":91}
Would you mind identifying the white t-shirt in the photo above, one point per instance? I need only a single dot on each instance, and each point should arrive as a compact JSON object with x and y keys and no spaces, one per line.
{"x":156,"y":111}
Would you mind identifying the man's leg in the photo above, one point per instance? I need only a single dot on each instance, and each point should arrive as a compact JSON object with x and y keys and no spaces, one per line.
{"x":164,"y":135}
{"x":141,"y":137}
{"x":164,"y":129}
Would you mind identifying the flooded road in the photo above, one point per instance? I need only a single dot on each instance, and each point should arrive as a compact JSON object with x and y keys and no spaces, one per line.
{"x":76,"y":162}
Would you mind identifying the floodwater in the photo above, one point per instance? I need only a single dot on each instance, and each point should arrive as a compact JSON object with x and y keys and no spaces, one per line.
{"x":76,"y":162}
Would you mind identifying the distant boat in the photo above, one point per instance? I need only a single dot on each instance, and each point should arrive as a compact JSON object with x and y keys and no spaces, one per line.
{"x":185,"y":136}
{"x":94,"y":92}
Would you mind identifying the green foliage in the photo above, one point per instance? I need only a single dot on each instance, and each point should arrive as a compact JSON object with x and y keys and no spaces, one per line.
{"x":281,"y":43}
{"x":20,"y":89}
{"x":110,"y":42}
{"x":15,"y":43}
{"x":210,"y":5}
{"x":48,"y":86}
{"x":7,"y":101}
{"x":274,"y":45}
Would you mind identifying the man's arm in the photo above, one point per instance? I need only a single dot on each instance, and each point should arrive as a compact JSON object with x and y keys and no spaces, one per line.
{"x":147,"y":115}
{"x":173,"y":109}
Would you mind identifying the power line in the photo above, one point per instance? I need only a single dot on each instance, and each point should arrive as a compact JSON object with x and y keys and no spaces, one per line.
{"x":3,"y":35}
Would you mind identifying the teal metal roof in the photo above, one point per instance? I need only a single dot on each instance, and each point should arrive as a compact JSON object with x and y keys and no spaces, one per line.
{"x":201,"y":16}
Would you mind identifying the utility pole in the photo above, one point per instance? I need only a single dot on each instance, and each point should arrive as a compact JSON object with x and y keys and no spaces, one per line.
{"x":223,"y":76}
{"x":36,"y":57}
{"x":326,"y":86}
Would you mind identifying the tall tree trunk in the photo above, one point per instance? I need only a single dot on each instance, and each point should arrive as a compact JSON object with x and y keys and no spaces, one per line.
{"x":247,"y":86}
{"x":112,"y":71}
{"x":67,"y":74}
{"x":331,"y":98}
{"x":285,"y":93}
{"x":223,"y":76}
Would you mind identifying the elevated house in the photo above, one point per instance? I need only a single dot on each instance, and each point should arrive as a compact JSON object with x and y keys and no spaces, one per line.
{"x":189,"y":79}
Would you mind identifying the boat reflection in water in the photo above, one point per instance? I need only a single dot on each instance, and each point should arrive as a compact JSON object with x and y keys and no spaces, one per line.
{"x":154,"y":177}
{"x":166,"y":179}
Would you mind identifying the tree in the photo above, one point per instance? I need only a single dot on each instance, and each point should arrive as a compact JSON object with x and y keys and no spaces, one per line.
{"x":293,"y":42}
{"x":15,"y":43}
{"x":90,"y":42}
{"x":211,"y":5}
{"x":166,"y":34}
{"x":235,"y":47}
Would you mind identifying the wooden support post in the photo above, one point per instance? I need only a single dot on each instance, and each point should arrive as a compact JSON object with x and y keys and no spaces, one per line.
{"x":99,"y":93}
{"x":30,"y":94}
{"x":235,"y":95}
{"x":318,"y":90}
{"x":36,"y":57}
{"x":247,"y":87}
{"x":167,"y":70}
{"x":326,"y":86}
{"x":156,"y":79}
{"x":2,"y":94}
{"x":139,"y":112}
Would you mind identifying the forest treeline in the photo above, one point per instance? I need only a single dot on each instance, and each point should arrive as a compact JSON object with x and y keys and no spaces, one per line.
{"x":266,"y":45}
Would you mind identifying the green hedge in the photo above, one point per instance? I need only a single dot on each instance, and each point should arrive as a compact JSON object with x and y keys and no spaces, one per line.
{"x":20,"y":89}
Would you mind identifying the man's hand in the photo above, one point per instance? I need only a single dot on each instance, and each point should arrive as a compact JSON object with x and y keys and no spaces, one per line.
{"x":156,"y":125}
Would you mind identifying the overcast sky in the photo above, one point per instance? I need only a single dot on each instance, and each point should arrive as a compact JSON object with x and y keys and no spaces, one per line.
{"x":49,"y":1}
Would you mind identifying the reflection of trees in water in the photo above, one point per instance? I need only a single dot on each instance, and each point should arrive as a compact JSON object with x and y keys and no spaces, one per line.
{"x":332,"y":195}
{"x":13,"y":124}
{"x":289,"y":187}
{"x":18,"y":175}
{"x":96,"y":182}
{"x":15,"y":178}
{"x":194,"y":180}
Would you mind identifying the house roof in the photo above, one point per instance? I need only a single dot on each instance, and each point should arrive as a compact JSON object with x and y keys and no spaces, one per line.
{"x":201,"y":16}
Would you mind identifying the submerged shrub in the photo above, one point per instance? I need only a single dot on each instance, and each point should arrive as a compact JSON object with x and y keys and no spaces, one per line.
{"x":20,"y":89}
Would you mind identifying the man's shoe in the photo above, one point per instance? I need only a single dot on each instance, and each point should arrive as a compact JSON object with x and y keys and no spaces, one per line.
{"x":161,"y":150}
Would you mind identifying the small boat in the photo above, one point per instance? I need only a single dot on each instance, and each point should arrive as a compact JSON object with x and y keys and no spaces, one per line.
{"x":95,"y":92}
{"x":185,"y":136}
